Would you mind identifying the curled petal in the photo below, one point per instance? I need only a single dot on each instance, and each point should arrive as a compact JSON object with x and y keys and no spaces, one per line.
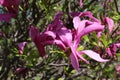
{"x":50,"y":34}
{"x":59,"y":43}
{"x":90,"y":15}
{"x":94,"y":55}
{"x":109,"y":52}
{"x":94,"y":27}
{"x":80,"y":56}
{"x":34,"y":33}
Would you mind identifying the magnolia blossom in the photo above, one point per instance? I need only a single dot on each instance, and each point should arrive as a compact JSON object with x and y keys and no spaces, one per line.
{"x":12,"y":7}
{"x":67,"y":39}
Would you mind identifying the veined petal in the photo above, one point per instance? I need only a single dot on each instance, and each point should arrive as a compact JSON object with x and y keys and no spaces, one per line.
{"x":41,"y":49}
{"x":90,"y":15}
{"x":93,"y":27}
{"x":109,"y":52}
{"x":94,"y":55}
{"x":35,"y":36}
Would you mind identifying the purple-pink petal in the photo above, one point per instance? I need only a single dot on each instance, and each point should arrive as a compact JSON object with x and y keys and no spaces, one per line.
{"x":76,"y":22}
{"x":94,"y":27}
{"x":81,"y":3}
{"x":36,"y":38}
{"x":110,"y":23}
{"x":65,"y":35}
{"x":94,"y":55}
{"x":21,"y":47}
{"x":74,"y":59}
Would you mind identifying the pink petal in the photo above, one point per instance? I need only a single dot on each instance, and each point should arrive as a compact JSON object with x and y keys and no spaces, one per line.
{"x":74,"y":59}
{"x":94,"y":27}
{"x":109,"y":52}
{"x":118,"y":45}
{"x":65,"y":35}
{"x":81,"y":3}
{"x":110,"y":23}
{"x":21,"y":47}
{"x":50,"y":34}
{"x":56,"y":23}
{"x":94,"y":55}
{"x":76,"y":22}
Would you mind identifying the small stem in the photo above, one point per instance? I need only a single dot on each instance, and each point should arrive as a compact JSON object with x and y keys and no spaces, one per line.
{"x":116,"y":7}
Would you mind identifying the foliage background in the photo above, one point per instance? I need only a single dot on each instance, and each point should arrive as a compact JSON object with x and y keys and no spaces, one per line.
{"x":57,"y":66}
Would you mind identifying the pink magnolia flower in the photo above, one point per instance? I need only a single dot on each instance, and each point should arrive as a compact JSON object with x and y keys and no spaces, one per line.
{"x":82,"y":28}
{"x":12,"y":7}
{"x":71,"y":42}
{"x":21,"y":47}
{"x":36,"y":38}
{"x":58,"y":34}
